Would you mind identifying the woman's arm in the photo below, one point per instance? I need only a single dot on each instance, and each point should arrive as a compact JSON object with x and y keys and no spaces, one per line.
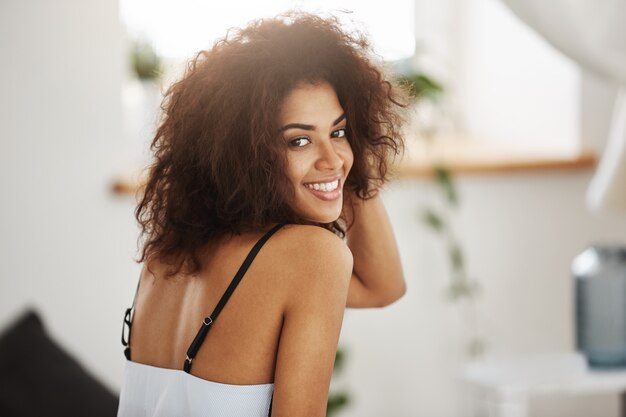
{"x":377,"y":277}
{"x":315,"y":273}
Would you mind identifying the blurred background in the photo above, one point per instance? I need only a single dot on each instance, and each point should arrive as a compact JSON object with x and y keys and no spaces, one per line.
{"x":515,"y":165}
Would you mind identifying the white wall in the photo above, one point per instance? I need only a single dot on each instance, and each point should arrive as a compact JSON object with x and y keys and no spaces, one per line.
{"x":67,"y":242}
{"x":515,"y":88}
{"x":597,"y":101}
{"x":502,"y":82}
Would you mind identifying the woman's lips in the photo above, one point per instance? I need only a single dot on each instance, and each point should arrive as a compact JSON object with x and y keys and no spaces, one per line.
{"x":326,"y":195}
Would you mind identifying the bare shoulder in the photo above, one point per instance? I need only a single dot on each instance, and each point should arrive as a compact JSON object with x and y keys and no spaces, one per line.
{"x":309,"y":264}
{"x":311,"y":252}
{"x":314,"y":238}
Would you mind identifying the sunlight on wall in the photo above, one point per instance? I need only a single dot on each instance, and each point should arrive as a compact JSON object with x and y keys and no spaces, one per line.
{"x":517,"y":89}
{"x":179,"y":29}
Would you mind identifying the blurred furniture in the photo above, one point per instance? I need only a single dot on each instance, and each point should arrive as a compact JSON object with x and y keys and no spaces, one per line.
{"x":548,"y":385}
{"x":39,"y":378}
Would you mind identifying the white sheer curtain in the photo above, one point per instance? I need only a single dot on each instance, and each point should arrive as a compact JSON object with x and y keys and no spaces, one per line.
{"x":592,"y":33}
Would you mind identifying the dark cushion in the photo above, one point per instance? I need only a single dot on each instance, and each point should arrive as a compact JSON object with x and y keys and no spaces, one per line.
{"x":38,"y":378}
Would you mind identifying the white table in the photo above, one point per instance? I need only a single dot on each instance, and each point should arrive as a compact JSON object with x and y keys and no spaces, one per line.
{"x":546,"y":385}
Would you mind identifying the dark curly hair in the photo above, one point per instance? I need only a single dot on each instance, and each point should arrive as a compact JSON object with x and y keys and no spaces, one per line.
{"x":219,"y":167}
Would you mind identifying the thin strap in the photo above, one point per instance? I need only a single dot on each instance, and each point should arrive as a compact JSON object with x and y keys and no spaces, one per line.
{"x":206,"y":323}
{"x":128,"y":321}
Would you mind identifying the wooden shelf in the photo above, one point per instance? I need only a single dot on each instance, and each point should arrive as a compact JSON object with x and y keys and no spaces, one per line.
{"x":475,"y":157}
{"x":128,"y":183}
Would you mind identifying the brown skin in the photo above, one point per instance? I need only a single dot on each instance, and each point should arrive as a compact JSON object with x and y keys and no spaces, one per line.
{"x":317,"y":149}
{"x":281,"y":325}
{"x":285,"y":315}
{"x":377,"y":277}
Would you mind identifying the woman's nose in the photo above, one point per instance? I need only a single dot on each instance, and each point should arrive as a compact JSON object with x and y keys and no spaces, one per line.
{"x":329,"y":158}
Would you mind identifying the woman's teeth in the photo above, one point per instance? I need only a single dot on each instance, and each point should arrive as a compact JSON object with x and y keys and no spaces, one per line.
{"x":323,"y":186}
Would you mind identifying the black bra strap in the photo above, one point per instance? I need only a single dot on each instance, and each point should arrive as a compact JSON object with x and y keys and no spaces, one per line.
{"x":128,"y":321}
{"x":206,"y":323}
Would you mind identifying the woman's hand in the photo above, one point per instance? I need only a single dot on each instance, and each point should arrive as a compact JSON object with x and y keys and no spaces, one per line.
{"x":377,"y":277}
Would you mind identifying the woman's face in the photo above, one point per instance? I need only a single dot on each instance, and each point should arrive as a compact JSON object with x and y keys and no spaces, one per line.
{"x":319,"y":157}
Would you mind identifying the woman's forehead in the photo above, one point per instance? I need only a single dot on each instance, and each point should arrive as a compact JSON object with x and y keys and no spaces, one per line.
{"x":310,"y":104}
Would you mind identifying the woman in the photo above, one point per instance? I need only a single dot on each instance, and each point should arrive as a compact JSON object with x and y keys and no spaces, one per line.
{"x":277,"y":139}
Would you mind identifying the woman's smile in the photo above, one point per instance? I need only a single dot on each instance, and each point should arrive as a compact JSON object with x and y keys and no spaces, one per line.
{"x":319,"y":155}
{"x":327,"y":190}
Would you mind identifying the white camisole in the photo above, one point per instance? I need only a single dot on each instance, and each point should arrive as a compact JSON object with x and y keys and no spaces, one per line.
{"x":148,"y":391}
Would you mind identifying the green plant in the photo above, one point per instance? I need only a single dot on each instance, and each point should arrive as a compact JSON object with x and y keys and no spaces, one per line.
{"x":144,"y":59}
{"x":421,"y":86}
{"x":461,"y":285}
{"x":337,"y":400}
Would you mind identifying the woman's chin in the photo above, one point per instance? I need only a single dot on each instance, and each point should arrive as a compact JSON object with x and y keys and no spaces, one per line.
{"x":322,"y":218}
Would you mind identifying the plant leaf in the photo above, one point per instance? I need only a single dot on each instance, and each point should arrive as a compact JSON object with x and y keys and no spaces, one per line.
{"x":336,"y":401}
{"x":432,"y":219}
{"x":421,"y":86}
{"x":443,"y":178}
{"x":145,"y":61}
{"x":340,"y":357}
{"x":461,"y":286}
{"x":476,"y":347}
{"x":456,"y":257}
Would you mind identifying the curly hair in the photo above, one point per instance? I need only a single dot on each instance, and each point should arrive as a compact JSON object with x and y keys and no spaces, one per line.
{"x":218,"y":166}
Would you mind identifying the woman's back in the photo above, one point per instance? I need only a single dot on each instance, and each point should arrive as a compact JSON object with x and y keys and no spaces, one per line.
{"x":170,"y":311}
{"x":291,"y":299}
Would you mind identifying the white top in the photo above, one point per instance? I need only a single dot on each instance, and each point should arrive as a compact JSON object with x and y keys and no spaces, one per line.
{"x":155,"y":392}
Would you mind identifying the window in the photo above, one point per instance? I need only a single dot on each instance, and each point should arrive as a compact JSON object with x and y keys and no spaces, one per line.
{"x":179,"y":29}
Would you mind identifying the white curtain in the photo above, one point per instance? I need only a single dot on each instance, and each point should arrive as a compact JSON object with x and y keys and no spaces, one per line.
{"x":592,"y":33}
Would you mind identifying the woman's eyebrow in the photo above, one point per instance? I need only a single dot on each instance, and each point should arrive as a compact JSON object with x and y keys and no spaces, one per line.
{"x":309,"y":127}
{"x":339,"y":119}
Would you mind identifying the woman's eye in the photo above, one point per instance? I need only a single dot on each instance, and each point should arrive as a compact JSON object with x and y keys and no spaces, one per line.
{"x":299,"y":142}
{"x":339,"y":133}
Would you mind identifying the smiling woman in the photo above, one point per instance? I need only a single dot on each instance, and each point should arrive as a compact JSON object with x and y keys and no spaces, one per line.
{"x":319,"y":156}
{"x":282,"y":130}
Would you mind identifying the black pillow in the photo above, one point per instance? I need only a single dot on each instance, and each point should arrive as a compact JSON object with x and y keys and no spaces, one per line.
{"x":38,"y":378}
